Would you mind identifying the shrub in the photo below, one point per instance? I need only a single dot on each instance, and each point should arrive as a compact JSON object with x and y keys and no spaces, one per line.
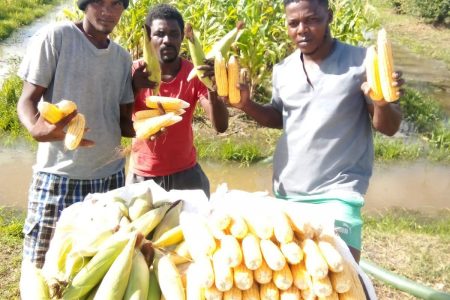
{"x":436,"y":12}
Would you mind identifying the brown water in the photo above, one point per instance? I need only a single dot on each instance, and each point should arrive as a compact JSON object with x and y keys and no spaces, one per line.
{"x":418,"y":186}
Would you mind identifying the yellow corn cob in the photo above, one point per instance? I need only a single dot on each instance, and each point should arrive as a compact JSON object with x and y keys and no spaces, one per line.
{"x":234,"y":93}
{"x":282,"y":228}
{"x":75,"y":132}
{"x":356,"y":290}
{"x":151,"y":59}
{"x":223,"y":45}
{"x":373,"y":74}
{"x":314,"y":262}
{"x":50,"y":112}
{"x":283,"y":278}
{"x":168,"y":103}
{"x":243,"y":277}
{"x":231,"y":250}
{"x":148,"y":127}
{"x":197,"y":55}
{"x":272,"y":255}
{"x":220,"y":220}
{"x":138,"y":283}
{"x":154,"y":292}
{"x":232,"y":294}
{"x":263,"y":274}
{"x":322,"y":286}
{"x":114,"y":283}
{"x":308,"y":294}
{"x":220,"y":73}
{"x":194,"y":290}
{"x":170,"y":237}
{"x":66,"y":106}
{"x":292,"y":252}
{"x":269,"y":291}
{"x":342,"y":281}
{"x":332,"y":256}
{"x":252,"y":293}
{"x":93,"y":272}
{"x":169,"y":279}
{"x":251,"y":252}
{"x":212,"y":293}
{"x":291,"y":293}
{"x":205,"y":271}
{"x":302,"y":279}
{"x":198,"y":237}
{"x":223,"y":274}
{"x":260,"y":225}
{"x":238,"y":227}
{"x":32,"y":282}
{"x":386,"y":67}
{"x":302,"y":228}
{"x":149,"y":113}
{"x":332,"y":296}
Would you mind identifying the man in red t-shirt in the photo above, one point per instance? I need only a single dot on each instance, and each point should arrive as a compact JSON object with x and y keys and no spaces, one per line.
{"x":170,"y":159}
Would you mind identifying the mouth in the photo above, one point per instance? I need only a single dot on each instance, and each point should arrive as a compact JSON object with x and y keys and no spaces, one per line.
{"x":304,"y":42}
{"x":168,"y":50}
{"x":105,"y":22}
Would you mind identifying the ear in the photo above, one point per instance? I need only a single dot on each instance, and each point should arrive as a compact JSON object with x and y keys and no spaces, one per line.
{"x":330,"y":16}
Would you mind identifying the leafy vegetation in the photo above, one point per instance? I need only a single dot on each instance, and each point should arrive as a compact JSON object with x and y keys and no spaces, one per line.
{"x":17,"y":13}
{"x":436,"y":12}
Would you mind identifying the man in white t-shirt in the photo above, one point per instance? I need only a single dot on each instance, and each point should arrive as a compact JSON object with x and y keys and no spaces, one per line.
{"x":75,"y":61}
{"x":325,"y":154}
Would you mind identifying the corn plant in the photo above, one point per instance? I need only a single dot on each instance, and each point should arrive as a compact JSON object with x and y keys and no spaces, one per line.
{"x":264,"y":41}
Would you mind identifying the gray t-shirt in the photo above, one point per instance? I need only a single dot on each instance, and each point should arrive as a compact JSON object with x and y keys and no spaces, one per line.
{"x":327,"y":145}
{"x":62,"y":59}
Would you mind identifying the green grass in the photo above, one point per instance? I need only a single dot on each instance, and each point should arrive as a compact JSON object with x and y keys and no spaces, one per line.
{"x":423,"y":39}
{"x":410,"y":244}
{"x":11,"y":238}
{"x":401,"y":220}
{"x":17,"y":13}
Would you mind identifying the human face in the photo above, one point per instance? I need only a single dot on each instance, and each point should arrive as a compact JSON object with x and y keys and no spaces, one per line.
{"x":166,"y":37}
{"x":307,"y":23}
{"x":103,"y":15}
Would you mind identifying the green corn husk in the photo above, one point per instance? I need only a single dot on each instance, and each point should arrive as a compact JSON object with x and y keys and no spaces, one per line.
{"x":138,"y":283}
{"x":115,"y":281}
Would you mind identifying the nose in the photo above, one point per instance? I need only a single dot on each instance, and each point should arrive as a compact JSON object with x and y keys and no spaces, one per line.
{"x":302,"y":28}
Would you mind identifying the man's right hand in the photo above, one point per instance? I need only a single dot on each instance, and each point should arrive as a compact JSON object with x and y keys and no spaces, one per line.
{"x":44,"y":131}
{"x":140,"y":78}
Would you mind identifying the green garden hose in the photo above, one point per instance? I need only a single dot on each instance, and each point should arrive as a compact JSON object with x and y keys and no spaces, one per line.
{"x":402,"y":283}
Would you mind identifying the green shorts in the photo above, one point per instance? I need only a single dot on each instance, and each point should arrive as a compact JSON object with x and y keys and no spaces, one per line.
{"x":347,"y":214}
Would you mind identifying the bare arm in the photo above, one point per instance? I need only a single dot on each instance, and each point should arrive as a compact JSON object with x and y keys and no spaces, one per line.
{"x":216,"y":111}
{"x":126,"y":122}
{"x":386,"y":118}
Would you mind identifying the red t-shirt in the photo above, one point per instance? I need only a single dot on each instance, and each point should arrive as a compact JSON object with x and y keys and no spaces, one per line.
{"x":174,"y":150}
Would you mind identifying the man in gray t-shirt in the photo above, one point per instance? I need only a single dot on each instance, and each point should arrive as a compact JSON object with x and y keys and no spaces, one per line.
{"x":325,"y":153}
{"x":78,"y":62}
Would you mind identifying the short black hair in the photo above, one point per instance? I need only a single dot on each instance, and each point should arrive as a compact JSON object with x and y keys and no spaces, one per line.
{"x":164,"y":12}
{"x":321,"y":2}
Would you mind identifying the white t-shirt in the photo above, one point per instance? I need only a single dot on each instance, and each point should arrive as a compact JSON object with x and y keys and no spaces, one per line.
{"x":327,"y":141}
{"x":62,"y":59}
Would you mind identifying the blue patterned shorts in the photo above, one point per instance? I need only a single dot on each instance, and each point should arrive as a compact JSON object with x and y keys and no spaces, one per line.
{"x":48,"y":195}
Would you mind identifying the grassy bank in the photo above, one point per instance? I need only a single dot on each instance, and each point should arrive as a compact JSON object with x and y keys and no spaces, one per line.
{"x":17,"y":13}
{"x":405,"y":242}
{"x":421,"y":38}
